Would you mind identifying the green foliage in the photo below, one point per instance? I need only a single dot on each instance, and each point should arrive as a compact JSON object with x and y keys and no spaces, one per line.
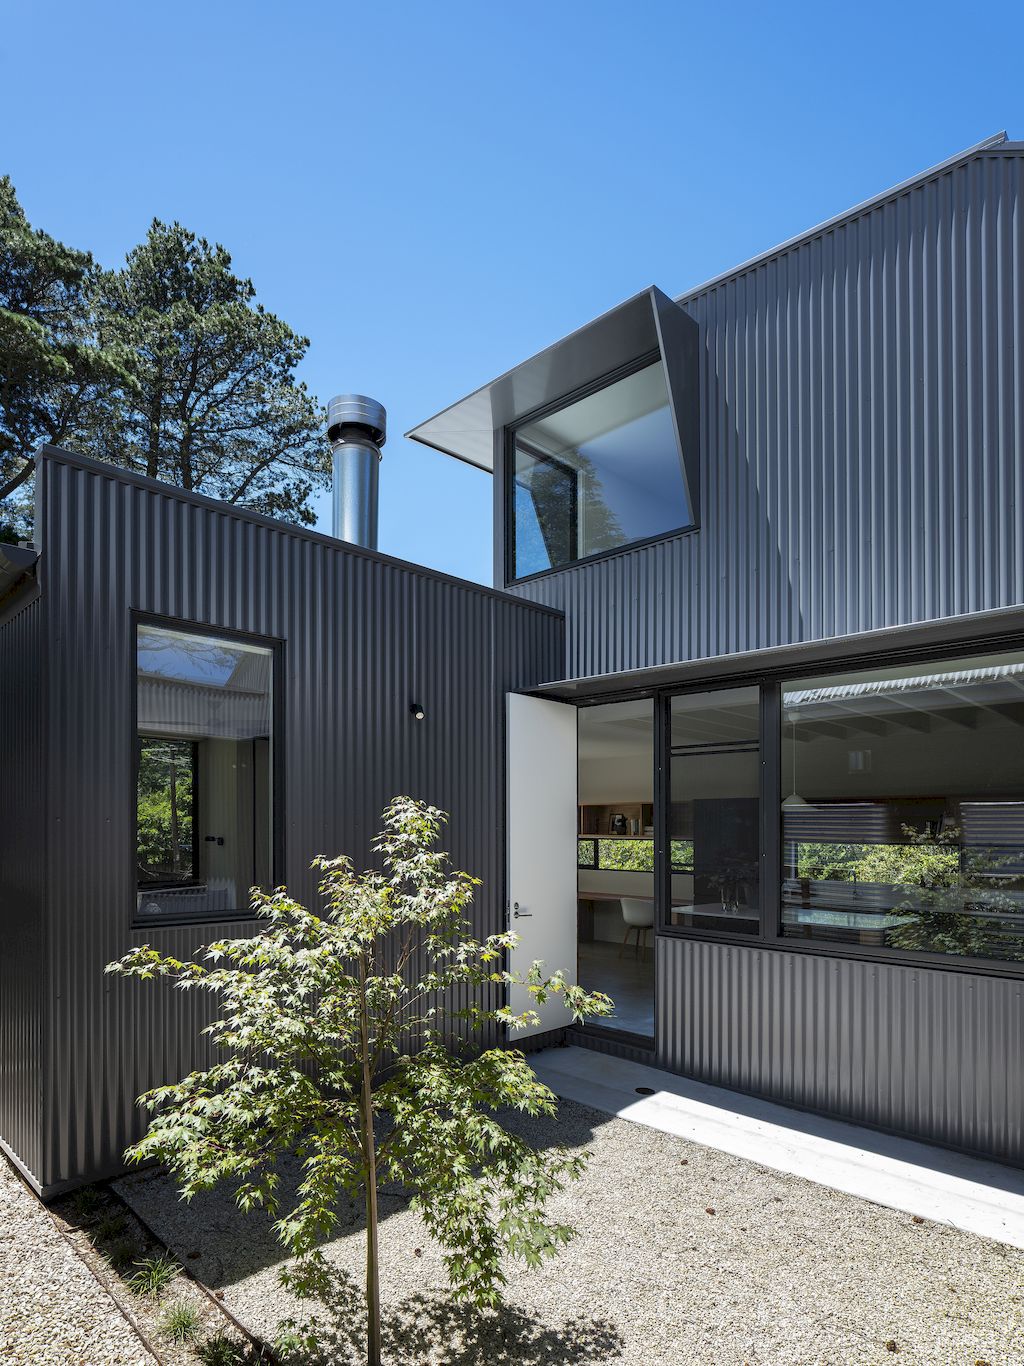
{"x":930,"y":891}
{"x":53,"y":374}
{"x":212,"y":403}
{"x":110,"y":1226}
{"x":168,"y":366}
{"x":220,"y":1351}
{"x":153,"y":1275}
{"x":165,"y":808}
{"x":86,"y":1202}
{"x":682,"y":854}
{"x":181,"y":1323}
{"x":121,"y":1254}
{"x":338,"y":1039}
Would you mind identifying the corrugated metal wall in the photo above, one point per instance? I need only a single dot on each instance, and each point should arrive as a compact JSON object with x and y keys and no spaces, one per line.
{"x":939,"y":1054}
{"x":862,"y":420}
{"x":363,"y":637}
{"x":862,"y":467}
{"x":22,"y":861}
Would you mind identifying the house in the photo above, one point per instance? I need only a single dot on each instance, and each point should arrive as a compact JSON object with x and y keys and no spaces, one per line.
{"x":739,"y":735}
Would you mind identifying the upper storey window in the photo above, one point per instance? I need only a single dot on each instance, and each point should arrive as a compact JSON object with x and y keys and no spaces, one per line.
{"x":598,"y":474}
{"x":596,"y":439}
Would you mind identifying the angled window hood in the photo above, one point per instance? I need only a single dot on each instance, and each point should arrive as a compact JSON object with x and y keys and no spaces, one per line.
{"x":649,"y":326}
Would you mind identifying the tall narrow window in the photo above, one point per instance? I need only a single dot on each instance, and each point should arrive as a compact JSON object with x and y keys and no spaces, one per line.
{"x":204,"y":808}
{"x":714,"y":811}
{"x":903,"y":808}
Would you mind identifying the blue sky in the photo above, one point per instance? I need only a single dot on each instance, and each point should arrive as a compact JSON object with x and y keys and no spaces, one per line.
{"x":431,"y":193}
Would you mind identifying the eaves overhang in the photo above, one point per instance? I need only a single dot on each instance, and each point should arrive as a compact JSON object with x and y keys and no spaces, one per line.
{"x":946,"y":634}
{"x":17,"y":577}
{"x":648,"y":325}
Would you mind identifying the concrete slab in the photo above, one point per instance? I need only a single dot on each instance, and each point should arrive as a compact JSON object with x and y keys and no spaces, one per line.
{"x":981,"y":1197}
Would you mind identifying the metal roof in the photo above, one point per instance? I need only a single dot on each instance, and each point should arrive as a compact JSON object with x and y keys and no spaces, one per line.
{"x":466,"y":429}
{"x":646,"y":324}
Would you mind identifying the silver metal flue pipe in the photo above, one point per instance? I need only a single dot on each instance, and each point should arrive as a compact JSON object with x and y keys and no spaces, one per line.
{"x":356,"y":429}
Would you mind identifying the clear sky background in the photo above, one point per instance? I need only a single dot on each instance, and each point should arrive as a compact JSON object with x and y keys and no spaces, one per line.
{"x":433,"y":192}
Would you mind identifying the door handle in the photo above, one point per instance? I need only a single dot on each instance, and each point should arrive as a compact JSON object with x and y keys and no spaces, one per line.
{"x":517,"y":913}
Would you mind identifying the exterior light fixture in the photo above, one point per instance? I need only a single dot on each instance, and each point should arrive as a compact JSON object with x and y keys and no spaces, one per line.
{"x":417,"y":710}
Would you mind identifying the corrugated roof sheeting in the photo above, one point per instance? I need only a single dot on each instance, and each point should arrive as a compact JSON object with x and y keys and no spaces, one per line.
{"x":363,"y":637}
{"x":931,"y":1054}
{"x":862,"y":421}
{"x":22,"y":863}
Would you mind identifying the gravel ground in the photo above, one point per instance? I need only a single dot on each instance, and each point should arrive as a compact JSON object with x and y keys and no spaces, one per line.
{"x":51,"y":1308}
{"x":684,"y":1255}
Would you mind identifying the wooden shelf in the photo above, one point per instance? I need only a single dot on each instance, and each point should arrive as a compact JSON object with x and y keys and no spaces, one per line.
{"x":595,"y":820}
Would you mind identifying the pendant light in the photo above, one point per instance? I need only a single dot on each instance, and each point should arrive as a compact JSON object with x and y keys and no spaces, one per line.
{"x":794,"y":798}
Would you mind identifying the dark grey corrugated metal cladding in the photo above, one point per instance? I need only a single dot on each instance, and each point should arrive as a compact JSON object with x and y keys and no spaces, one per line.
{"x":862,"y":421}
{"x":929,"y":1053}
{"x":363,"y":636}
{"x":862,"y":468}
{"x":22,"y":861}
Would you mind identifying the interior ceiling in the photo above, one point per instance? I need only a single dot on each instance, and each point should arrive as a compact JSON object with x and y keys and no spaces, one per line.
{"x":568,"y":429}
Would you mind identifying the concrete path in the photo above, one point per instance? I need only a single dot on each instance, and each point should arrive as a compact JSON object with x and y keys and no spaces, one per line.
{"x":981,"y":1197}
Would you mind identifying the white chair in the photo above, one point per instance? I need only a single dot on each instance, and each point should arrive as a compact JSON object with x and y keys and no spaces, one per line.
{"x":638,"y":915}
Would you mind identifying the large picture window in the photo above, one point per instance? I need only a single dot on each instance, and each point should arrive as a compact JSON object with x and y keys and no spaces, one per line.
{"x":601,"y":473}
{"x":204,"y":787}
{"x":903,"y":808}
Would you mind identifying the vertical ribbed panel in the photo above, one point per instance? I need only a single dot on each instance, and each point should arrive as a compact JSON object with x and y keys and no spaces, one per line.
{"x":862,"y":421}
{"x":363,"y":637}
{"x":939,"y":1055}
{"x":22,"y":864}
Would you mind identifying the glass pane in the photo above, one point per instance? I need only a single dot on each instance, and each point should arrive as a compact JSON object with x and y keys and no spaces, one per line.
{"x":165,"y":810}
{"x":714,"y":812}
{"x":204,"y":781}
{"x":615,"y":881}
{"x":903,"y":808}
{"x":601,"y":473}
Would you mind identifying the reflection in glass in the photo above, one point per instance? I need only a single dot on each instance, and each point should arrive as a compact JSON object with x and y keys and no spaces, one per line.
{"x":601,"y":473}
{"x":714,"y":812}
{"x":905,"y":823}
{"x":203,"y":811}
{"x":615,"y":857}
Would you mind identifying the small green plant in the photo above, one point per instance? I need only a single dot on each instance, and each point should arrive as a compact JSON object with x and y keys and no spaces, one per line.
{"x":86,"y":1202}
{"x":121,"y":1254}
{"x":181,"y":1323}
{"x":154,"y":1274}
{"x":110,"y":1226}
{"x":220,"y":1351}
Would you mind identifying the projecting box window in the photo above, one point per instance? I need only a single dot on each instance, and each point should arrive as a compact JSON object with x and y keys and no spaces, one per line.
{"x":204,"y":802}
{"x":596,"y":475}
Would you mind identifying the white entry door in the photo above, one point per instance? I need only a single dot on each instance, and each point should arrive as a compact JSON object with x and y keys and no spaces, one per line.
{"x":542,"y":823}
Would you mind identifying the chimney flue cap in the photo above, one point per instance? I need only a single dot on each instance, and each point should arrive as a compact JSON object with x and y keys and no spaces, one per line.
{"x":356,"y":410}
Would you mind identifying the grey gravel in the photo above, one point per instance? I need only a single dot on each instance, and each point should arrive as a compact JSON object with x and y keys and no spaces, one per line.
{"x":52,"y":1310}
{"x":782,"y":1272}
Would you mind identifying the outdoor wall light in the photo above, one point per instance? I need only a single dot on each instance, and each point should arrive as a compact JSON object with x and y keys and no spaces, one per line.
{"x":417,"y":710}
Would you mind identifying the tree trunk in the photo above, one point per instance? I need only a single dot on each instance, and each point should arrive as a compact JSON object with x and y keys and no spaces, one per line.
{"x":370,"y":1179}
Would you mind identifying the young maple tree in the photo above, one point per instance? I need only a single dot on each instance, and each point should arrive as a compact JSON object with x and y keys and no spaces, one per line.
{"x":340,"y":1044}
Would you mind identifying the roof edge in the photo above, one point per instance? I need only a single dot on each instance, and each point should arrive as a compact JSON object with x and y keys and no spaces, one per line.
{"x":61,"y":456}
{"x":997,"y":140}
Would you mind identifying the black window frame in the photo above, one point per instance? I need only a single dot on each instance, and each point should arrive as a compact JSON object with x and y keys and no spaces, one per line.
{"x":770,"y":682}
{"x":508,"y":448}
{"x":158,"y":885}
{"x":212,"y":631}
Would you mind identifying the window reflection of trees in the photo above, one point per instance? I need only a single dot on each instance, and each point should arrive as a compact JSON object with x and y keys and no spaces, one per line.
{"x":569,"y":504}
